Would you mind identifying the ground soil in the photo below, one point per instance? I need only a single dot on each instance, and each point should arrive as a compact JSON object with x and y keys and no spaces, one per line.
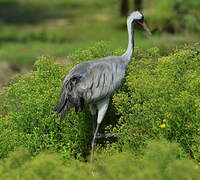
{"x":7,"y":71}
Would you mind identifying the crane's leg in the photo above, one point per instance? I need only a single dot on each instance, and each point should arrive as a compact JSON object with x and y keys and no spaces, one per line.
{"x":93,"y":110}
{"x":102,"y":107}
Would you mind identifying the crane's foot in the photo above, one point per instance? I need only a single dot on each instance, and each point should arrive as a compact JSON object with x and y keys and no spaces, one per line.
{"x":102,"y":135}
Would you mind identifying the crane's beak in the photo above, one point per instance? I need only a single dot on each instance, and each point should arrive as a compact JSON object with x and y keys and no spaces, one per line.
{"x":144,"y":25}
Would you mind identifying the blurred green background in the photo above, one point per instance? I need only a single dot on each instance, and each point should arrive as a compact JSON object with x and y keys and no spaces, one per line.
{"x":159,"y":101}
{"x":30,"y":28}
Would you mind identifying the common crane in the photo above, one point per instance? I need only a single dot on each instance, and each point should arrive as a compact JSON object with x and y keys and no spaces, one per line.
{"x":93,"y":82}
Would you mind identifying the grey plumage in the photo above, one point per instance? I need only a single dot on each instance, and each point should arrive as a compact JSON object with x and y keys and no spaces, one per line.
{"x":93,"y":82}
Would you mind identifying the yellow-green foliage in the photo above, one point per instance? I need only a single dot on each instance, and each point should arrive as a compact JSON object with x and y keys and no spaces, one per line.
{"x":27,"y":118}
{"x":161,"y":161}
{"x":160,"y":98}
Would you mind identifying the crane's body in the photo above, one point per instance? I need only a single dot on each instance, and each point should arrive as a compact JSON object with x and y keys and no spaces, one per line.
{"x":97,"y":79}
{"x":93,"y":82}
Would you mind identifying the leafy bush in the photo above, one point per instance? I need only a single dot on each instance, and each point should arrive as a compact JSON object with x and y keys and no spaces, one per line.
{"x":27,"y":105}
{"x":160,"y":98}
{"x":20,"y":165}
{"x":160,"y":161}
{"x":9,"y":137}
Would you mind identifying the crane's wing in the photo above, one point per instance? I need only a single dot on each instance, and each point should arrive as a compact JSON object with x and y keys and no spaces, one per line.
{"x":69,"y":97}
{"x":89,"y":82}
{"x":100,"y":80}
{"x":97,"y":82}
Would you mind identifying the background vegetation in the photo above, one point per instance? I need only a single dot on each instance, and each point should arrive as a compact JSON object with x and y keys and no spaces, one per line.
{"x":155,"y":112}
{"x":156,"y":107}
{"x":58,"y":28}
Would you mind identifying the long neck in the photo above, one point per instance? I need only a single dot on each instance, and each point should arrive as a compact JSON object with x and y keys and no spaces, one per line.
{"x":128,"y":54}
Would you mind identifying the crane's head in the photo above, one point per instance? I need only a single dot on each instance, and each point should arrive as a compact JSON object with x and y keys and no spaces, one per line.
{"x":137,"y":17}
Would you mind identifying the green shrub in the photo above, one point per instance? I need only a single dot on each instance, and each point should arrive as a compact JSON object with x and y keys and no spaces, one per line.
{"x":20,"y":165}
{"x":9,"y":137}
{"x":161,"y":161}
{"x":160,"y":98}
{"x":27,"y":106}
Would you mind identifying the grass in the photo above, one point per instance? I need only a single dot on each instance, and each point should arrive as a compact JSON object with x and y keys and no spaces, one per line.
{"x":66,"y":26}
